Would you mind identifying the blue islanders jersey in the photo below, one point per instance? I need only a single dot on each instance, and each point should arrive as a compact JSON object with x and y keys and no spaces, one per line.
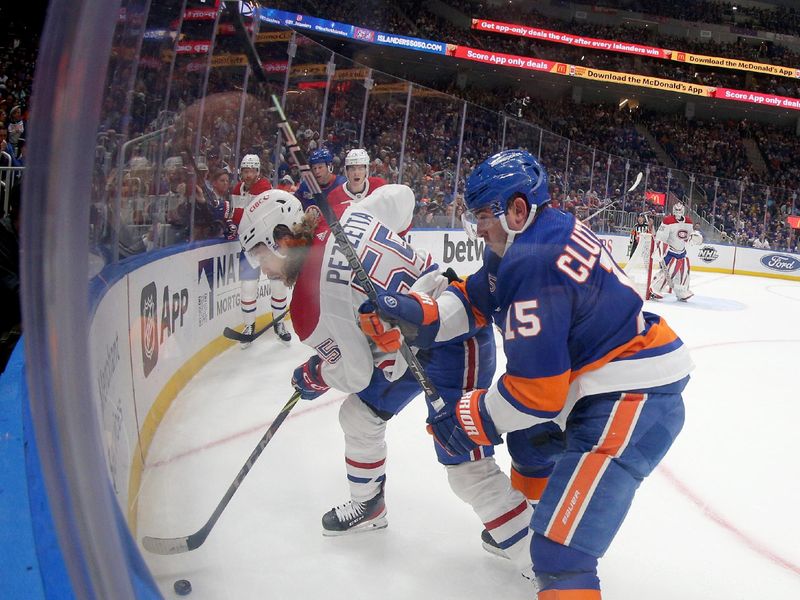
{"x":572,"y":323}
{"x":307,"y":198}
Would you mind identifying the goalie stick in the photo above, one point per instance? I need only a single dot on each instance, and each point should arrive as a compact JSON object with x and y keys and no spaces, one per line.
{"x":237,"y":336}
{"x":191,"y":542}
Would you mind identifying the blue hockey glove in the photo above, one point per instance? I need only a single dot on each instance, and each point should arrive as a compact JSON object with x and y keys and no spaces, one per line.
{"x":464,"y":426}
{"x":419,"y":310}
{"x":307,"y":379}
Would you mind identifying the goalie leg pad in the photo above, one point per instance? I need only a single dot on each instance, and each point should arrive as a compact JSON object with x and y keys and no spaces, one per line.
{"x":248,"y":299}
{"x":364,"y":448}
{"x":504,"y":511}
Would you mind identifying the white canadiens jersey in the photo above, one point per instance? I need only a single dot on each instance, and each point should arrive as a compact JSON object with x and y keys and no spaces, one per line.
{"x":675,"y":233}
{"x":327,"y":297}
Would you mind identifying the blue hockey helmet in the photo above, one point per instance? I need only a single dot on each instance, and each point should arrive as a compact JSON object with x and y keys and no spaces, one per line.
{"x":500,"y":178}
{"x":321,"y":155}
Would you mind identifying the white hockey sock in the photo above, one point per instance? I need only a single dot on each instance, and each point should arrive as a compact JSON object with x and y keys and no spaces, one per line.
{"x":364,"y":448}
{"x":248,"y":299}
{"x":504,"y":510}
{"x":278,"y":296}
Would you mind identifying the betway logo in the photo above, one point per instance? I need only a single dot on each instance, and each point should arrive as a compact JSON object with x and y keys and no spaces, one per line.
{"x":462,"y":251}
{"x":780,"y":262}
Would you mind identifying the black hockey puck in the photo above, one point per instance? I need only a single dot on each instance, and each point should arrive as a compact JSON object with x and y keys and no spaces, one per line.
{"x":182,"y":587}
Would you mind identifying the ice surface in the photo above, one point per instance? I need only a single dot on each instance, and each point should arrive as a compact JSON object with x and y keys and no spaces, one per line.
{"x":716,"y":521}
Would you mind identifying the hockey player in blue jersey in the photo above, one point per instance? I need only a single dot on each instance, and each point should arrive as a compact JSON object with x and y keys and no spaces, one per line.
{"x":321,"y":162}
{"x":580,"y":353}
{"x":297,"y":247}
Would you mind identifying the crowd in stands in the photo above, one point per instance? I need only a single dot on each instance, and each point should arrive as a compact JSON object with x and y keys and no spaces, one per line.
{"x":778,"y":19}
{"x":431,"y":26}
{"x":18,"y":45}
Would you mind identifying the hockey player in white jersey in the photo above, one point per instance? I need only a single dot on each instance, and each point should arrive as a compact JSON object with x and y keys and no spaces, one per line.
{"x":251,"y":184}
{"x":299,"y":248}
{"x":676,"y":231}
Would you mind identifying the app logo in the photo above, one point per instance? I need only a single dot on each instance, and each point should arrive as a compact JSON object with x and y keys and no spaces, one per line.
{"x":708,"y":254}
{"x":780,"y":262}
{"x":149,"y":323}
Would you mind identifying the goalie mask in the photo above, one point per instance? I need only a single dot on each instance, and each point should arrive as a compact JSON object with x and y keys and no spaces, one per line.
{"x":679,"y":211}
{"x":268,"y":211}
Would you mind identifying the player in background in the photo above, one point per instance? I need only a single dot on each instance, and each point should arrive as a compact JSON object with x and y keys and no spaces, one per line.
{"x":321,"y":163}
{"x":642,"y":226}
{"x":676,"y":231}
{"x":251,"y":184}
{"x":359,"y":184}
{"x":298,"y":247}
{"x":579,"y":352}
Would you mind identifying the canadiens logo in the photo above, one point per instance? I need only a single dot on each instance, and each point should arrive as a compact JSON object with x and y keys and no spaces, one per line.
{"x":708,"y":254}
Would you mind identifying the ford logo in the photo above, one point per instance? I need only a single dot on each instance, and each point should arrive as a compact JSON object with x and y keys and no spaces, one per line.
{"x":780,"y":262}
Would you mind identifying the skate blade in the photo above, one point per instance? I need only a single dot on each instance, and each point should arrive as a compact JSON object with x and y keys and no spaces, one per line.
{"x":495,"y":550}
{"x":379,"y":523}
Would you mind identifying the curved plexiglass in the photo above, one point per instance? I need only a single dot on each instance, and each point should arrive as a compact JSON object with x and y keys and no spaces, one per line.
{"x":140,"y":108}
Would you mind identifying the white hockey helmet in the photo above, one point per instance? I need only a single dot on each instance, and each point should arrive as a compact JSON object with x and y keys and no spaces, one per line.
{"x":265,"y":212}
{"x":679,"y":210}
{"x":250,"y":161}
{"x":356,"y":156}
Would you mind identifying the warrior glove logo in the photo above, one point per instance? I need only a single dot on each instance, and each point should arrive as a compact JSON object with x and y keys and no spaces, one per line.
{"x":149,"y":328}
{"x":708,"y":254}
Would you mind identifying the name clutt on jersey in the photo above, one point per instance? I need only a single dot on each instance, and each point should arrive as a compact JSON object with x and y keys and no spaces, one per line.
{"x":465,"y":416}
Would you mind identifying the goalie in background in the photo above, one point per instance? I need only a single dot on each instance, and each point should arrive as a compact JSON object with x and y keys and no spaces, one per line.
{"x":642,"y":226}
{"x":676,"y":231}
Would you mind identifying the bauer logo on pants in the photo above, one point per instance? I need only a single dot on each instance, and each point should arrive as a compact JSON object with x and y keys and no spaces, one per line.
{"x":149,"y":323}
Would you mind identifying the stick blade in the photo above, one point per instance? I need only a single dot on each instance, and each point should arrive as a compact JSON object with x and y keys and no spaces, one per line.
{"x":236,"y":336}
{"x":636,"y":182}
{"x":166,"y":545}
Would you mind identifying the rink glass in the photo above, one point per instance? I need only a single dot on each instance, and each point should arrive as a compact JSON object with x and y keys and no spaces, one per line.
{"x":129,"y":118}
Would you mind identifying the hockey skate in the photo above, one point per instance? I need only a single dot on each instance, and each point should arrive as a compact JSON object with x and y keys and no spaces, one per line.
{"x":355,"y":517}
{"x":280,"y":331}
{"x":488,"y":543}
{"x":492,"y":547}
{"x":248,"y":330}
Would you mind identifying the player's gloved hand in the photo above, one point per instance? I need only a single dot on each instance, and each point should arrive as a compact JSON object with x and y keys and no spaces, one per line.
{"x":414,"y":308}
{"x":465,"y":426}
{"x":231,"y":230}
{"x":307,"y":379}
{"x":386,"y":337}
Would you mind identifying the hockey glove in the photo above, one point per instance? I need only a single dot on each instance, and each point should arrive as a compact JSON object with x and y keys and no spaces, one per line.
{"x":414,"y":308}
{"x":466,"y":426}
{"x":307,"y":379}
{"x":386,"y":337}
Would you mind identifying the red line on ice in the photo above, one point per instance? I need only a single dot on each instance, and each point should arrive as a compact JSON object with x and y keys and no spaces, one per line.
{"x":260,"y":427}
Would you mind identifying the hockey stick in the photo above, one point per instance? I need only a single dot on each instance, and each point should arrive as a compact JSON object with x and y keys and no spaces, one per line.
{"x":346,"y":247}
{"x":344,"y":244}
{"x":237,"y":336}
{"x":636,"y":183}
{"x":191,"y":542}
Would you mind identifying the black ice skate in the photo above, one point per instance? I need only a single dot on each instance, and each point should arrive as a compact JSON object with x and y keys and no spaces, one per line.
{"x":488,"y":543}
{"x":280,"y":331}
{"x":355,"y":517}
{"x":248,"y":330}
